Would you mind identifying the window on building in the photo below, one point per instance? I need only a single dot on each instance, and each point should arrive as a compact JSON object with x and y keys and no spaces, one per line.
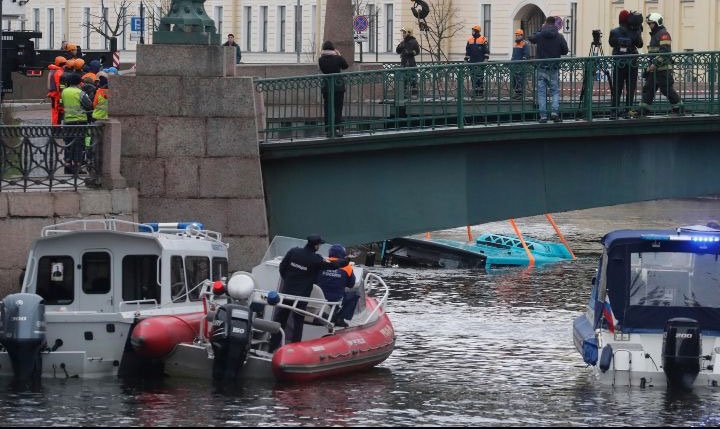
{"x":86,"y":27}
{"x":139,"y":274}
{"x":56,"y":280}
{"x":298,"y":28}
{"x":389,"y":45}
{"x":51,"y":28}
{"x":487,"y":23}
{"x":219,"y":19}
{"x":313,"y":25}
{"x":371,"y":27}
{"x":197,"y":270}
{"x":22,"y":25}
{"x":263,"y":28}
{"x":248,"y":28}
{"x":106,"y":16}
{"x":62,"y":24}
{"x":281,"y":27}
{"x":36,"y":25}
{"x":219,"y":268}
{"x":96,"y":273}
{"x":178,"y":291}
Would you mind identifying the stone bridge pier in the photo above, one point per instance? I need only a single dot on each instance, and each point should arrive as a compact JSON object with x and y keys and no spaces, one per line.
{"x":189,"y":144}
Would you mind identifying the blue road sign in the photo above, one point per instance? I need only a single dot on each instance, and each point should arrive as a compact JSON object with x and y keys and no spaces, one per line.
{"x":135,"y":24}
{"x":360,"y":23}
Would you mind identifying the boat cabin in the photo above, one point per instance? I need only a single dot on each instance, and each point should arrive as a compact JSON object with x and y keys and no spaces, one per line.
{"x":114,"y":266}
{"x":647,"y":277}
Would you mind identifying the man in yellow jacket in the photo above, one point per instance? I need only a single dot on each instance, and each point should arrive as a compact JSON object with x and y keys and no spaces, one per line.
{"x":76,"y":104}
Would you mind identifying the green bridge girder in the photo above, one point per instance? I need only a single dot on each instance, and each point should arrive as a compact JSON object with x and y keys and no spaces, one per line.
{"x":368,"y":188}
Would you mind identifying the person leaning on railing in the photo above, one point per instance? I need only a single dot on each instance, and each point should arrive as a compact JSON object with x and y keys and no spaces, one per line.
{"x":550,"y":44}
{"x":331,"y":62}
{"x":624,"y":40}
{"x":659,"y":74}
{"x":76,"y":104}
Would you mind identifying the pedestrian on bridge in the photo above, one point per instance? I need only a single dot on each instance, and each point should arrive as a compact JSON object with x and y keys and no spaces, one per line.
{"x":408,"y":48}
{"x":659,"y":74}
{"x":625,"y":40}
{"x":520,"y":52}
{"x":550,"y":45}
{"x":477,"y":50}
{"x":332,"y":62}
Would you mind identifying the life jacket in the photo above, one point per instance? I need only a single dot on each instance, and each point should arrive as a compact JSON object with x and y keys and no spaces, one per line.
{"x":100,"y":104}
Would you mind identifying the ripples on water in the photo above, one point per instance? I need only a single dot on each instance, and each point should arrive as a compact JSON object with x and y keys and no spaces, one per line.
{"x":472,"y":349}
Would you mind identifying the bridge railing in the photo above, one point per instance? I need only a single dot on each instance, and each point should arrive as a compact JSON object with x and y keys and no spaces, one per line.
{"x":491,"y":93}
{"x":47,"y":158}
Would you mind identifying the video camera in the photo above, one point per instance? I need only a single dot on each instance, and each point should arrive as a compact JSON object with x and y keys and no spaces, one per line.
{"x":635,"y":21}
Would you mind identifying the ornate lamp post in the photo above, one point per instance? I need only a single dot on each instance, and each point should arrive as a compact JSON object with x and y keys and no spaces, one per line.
{"x":187,"y":23}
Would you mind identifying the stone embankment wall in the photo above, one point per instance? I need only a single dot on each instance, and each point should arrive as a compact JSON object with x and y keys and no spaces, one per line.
{"x":24,"y":214}
{"x":189,"y":144}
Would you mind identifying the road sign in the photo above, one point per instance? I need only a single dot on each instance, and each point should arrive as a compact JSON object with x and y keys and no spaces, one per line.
{"x":360,"y":23}
{"x":567,"y":24}
{"x":136,"y":24}
{"x":360,"y":37}
{"x":134,"y":36}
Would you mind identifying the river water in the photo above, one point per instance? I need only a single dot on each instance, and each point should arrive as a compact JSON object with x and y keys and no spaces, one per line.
{"x":473,"y":348}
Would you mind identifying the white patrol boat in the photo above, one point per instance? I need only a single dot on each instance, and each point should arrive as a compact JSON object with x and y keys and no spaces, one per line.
{"x":654,"y":313}
{"x":89,"y":282}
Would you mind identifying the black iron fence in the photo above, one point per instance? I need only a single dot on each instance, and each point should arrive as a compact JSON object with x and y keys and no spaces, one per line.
{"x":47,"y":158}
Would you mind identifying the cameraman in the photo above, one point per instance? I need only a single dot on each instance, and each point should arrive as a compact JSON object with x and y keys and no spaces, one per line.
{"x":625,"y":40}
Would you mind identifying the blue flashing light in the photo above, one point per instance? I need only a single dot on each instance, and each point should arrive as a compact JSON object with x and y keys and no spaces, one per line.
{"x":693,"y":238}
{"x":155,"y":226}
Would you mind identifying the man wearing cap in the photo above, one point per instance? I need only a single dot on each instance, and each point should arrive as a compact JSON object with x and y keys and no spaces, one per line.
{"x":299,"y":269}
{"x":477,"y":50}
{"x":520,"y":52}
{"x":334,"y":283}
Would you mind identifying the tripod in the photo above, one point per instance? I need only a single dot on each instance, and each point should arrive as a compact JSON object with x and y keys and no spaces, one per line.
{"x":596,"y":50}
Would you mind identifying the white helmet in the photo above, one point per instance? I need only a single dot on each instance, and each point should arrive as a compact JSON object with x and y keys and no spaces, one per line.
{"x":655,"y":17}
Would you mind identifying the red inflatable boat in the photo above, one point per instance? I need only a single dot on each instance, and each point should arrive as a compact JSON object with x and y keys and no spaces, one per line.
{"x":157,"y":336}
{"x":345,"y":351}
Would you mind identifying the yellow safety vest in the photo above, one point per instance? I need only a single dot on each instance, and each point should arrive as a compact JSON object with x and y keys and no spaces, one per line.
{"x":70,"y":99}
{"x":101,"y":104}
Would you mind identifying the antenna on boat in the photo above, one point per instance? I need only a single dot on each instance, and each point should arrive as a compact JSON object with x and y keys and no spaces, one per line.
{"x":529,"y":254}
{"x":560,"y":234}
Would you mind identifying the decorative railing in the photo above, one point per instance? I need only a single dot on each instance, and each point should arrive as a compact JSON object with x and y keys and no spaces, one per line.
{"x":47,"y":158}
{"x":449,"y":95}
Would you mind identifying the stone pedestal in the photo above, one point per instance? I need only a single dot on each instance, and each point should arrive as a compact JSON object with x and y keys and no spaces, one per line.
{"x":339,"y":27}
{"x":189,"y":144}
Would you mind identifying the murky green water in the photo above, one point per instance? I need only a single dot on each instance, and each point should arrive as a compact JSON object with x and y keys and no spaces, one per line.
{"x":472,"y":349}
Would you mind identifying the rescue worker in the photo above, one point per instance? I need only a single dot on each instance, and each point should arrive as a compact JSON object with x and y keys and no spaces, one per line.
{"x":72,"y":50}
{"x":659,"y":74}
{"x":76,"y":104}
{"x":334,"y":283}
{"x":520,"y":52}
{"x":408,"y":48}
{"x":100,"y":102}
{"x":477,"y":50}
{"x":79,"y":66}
{"x":624,"y":41}
{"x":299,"y":269}
{"x":54,"y":89}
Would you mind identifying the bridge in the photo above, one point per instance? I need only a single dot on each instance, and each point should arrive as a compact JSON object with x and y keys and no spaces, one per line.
{"x":422,"y":150}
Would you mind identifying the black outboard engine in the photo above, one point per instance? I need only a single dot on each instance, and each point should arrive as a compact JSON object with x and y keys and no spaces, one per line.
{"x":230,"y":339}
{"x":23,"y":335}
{"x":682,"y":348}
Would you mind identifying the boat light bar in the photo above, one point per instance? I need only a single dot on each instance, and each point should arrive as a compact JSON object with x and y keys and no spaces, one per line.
{"x":155,"y":226}
{"x":684,"y":237}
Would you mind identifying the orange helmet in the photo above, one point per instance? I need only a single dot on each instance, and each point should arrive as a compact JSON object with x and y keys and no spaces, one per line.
{"x":90,"y":76}
{"x":70,"y":64}
{"x":70,"y":47}
{"x":476,"y":27}
{"x":60,"y":61}
{"x":79,"y":64}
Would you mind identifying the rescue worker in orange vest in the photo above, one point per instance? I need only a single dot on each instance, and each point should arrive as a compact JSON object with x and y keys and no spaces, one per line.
{"x":477,"y":50}
{"x":337,"y":285}
{"x":520,"y":52}
{"x":54,"y":89}
{"x":100,"y":103}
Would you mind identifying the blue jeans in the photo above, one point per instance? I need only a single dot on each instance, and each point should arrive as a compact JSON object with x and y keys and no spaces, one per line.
{"x":551,"y":77}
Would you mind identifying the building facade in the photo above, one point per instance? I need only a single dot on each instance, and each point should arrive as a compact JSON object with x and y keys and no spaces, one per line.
{"x":277,"y":31}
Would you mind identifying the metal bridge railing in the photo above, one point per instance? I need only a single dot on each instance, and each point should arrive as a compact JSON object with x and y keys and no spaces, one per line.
{"x":47,"y":158}
{"x":449,"y":95}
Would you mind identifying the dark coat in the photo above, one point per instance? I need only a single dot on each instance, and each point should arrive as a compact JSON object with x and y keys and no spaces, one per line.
{"x":300,"y":268}
{"x":334,"y":282}
{"x":550,"y":43}
{"x":477,"y":49}
{"x":521,"y":51}
{"x":330,"y":62}
{"x":625,"y":41}
{"x":407,"y":49}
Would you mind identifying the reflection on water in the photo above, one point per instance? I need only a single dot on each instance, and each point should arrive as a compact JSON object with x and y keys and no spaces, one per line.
{"x":473,"y":348}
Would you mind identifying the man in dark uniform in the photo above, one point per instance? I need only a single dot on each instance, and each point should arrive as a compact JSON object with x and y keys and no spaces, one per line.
{"x":334,"y":284}
{"x":625,"y":41}
{"x":477,"y":50}
{"x":659,"y":74}
{"x":299,"y":269}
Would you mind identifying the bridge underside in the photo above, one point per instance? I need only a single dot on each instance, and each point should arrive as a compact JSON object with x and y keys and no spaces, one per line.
{"x":358,"y":190}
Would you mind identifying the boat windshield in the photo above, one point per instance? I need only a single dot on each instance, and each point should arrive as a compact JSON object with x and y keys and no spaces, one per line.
{"x":280,"y":246}
{"x":674,"y":279}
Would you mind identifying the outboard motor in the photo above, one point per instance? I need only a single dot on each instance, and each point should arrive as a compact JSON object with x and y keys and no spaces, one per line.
{"x":22,"y":333}
{"x":232,"y":328}
{"x":682,"y":348}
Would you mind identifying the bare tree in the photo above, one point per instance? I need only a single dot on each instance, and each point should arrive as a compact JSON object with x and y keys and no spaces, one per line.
{"x":440,"y":26}
{"x":104,"y":26}
{"x":155,"y":10}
